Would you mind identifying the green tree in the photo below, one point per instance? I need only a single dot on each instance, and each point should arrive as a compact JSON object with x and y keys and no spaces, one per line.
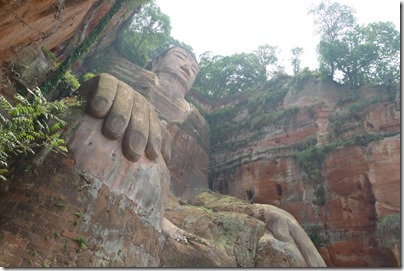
{"x":362,"y":54}
{"x":222,"y":76}
{"x":368,"y":54}
{"x":148,"y":35}
{"x":148,"y":30}
{"x":295,"y":59}
{"x":267,"y":56}
{"x":332,"y":21}
{"x":352,"y":55}
{"x":385,"y":40}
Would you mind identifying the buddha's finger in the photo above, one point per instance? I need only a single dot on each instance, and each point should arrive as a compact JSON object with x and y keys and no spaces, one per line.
{"x":118,"y":118}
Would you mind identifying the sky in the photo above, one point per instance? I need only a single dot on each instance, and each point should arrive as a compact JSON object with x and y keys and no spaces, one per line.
{"x":226,"y":27}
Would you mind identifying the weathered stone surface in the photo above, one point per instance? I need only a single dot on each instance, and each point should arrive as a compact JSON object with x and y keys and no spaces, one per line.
{"x":185,"y":249}
{"x":121,"y":110}
{"x":193,"y":254}
{"x":146,"y":182}
{"x":350,"y":201}
{"x":24,"y":23}
{"x":139,"y":79}
{"x":166,"y":144}
{"x":180,"y":63}
{"x":383,"y":157}
{"x":52,"y":25}
{"x":55,"y":208}
{"x":59,"y":26}
{"x":190,"y":156}
{"x":274,"y":253}
{"x":359,"y":183}
{"x":247,"y":234}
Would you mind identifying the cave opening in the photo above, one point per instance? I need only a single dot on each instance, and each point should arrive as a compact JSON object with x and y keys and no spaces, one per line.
{"x":279,"y":189}
{"x":249,"y":194}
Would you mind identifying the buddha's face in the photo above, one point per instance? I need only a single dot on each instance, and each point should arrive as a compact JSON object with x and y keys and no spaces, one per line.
{"x":179,"y":65}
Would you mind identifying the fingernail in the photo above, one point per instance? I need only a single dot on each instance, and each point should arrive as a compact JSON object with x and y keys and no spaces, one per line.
{"x":114,"y":126}
{"x":98,"y":106}
{"x":134,"y":146}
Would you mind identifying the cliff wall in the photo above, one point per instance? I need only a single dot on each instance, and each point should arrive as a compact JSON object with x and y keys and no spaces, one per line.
{"x":30,"y":28}
{"x":326,"y":154}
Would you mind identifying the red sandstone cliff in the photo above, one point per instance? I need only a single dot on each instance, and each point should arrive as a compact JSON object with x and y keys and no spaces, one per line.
{"x":331,"y":160}
{"x":58,"y":26}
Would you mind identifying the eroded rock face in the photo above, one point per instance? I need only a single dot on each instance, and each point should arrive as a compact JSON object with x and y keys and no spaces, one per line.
{"x":117,"y":210}
{"x":353,"y":189}
{"x":383,"y":157}
{"x":52,"y":23}
{"x":239,"y":234}
{"x":190,"y":156}
{"x":352,"y":201}
{"x":146,"y":181}
{"x":350,"y":210}
{"x":57,"y":26}
{"x":39,"y":21}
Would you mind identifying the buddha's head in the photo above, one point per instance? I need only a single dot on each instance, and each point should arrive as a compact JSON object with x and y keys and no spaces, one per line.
{"x":177,"y":67}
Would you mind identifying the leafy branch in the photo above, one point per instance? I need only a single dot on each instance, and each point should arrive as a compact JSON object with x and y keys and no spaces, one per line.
{"x":27,"y":125}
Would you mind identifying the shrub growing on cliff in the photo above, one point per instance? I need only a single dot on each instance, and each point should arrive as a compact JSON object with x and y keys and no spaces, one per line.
{"x":29,"y":125}
{"x":317,"y":234}
{"x":88,"y":76}
{"x":68,"y":84}
{"x":388,"y":230}
{"x":311,"y":160}
{"x":302,"y":77}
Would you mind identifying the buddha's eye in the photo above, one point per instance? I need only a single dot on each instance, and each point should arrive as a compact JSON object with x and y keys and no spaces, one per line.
{"x":181,"y":56}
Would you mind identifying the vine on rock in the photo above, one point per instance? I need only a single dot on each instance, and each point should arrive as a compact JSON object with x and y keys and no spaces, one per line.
{"x":81,"y":50}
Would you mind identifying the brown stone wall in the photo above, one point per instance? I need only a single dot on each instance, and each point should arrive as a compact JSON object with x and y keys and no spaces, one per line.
{"x":43,"y":212}
{"x":384,"y":157}
{"x":48,"y":22}
{"x":190,"y":156}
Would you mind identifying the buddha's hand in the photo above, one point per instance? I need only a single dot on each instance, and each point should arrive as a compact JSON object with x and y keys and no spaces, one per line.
{"x":127,"y":113}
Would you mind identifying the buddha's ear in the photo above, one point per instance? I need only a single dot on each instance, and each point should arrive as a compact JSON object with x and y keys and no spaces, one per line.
{"x":152,"y":64}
